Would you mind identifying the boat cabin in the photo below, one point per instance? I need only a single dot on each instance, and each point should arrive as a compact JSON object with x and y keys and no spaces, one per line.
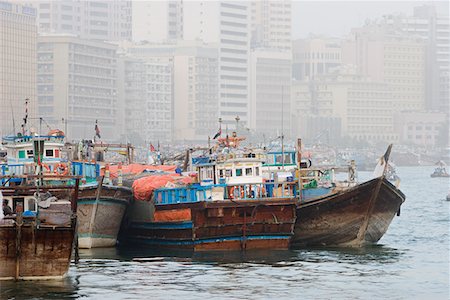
{"x":231,"y":171}
{"x":21,"y":203}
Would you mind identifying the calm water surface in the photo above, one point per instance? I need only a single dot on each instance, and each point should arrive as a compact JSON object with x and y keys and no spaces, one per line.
{"x":410,"y":262}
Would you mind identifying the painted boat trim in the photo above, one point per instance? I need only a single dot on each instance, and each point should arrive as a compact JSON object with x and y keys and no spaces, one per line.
{"x":163,"y":225}
{"x":103,"y":201}
{"x":151,"y":241}
{"x":96,"y":236}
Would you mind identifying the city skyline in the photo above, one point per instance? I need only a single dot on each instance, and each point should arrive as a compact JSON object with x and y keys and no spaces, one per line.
{"x":193,"y":62}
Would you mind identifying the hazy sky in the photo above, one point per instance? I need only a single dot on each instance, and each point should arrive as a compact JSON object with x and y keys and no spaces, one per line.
{"x":336,"y":18}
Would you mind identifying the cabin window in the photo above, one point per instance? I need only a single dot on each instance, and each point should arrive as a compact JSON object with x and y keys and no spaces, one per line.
{"x":21,"y":153}
{"x":270,"y":159}
{"x":238,"y":172}
{"x":279,"y":159}
{"x":56,"y":153}
{"x":248,"y":172}
{"x":228,"y":173}
{"x":287,"y":159}
{"x":30,"y":153}
{"x":49,"y":152}
{"x":221,"y":173}
{"x":32,"y":204}
{"x":257,"y":171}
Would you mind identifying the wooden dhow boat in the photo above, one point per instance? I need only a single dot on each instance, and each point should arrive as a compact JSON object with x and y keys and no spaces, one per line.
{"x":231,"y":208}
{"x":101,"y":207}
{"x":37,"y":233}
{"x":358,"y":215}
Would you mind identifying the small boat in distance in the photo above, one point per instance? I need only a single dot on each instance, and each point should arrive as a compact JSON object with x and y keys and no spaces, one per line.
{"x":440,"y":170}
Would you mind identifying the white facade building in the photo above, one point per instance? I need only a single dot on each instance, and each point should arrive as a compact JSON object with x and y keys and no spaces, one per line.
{"x":315,"y":56}
{"x":432,"y":26}
{"x":157,"y":21}
{"x":100,"y":20}
{"x":270,"y":101}
{"x":17,"y":65}
{"x":271,"y":24}
{"x":222,"y":24}
{"x":77,"y":83}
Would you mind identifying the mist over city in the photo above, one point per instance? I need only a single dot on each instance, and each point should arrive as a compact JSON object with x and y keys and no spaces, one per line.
{"x":221,"y":149}
{"x":168,"y":71}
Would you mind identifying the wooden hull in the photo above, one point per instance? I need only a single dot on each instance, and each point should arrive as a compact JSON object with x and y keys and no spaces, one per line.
{"x":99,"y":219}
{"x":217,"y":225}
{"x":356,"y":217}
{"x":44,"y":252}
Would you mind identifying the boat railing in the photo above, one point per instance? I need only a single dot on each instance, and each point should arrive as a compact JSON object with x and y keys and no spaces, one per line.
{"x":15,"y":170}
{"x":219,"y":192}
{"x":30,"y":138}
{"x":86,"y":169}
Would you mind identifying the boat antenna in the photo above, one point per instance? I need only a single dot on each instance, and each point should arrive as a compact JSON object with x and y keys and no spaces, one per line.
{"x":282,"y":129}
{"x":13,"y":120}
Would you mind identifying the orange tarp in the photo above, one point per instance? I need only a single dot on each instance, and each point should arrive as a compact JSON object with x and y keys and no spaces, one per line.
{"x":136,"y":169}
{"x":144,"y":187}
{"x":173,"y":215}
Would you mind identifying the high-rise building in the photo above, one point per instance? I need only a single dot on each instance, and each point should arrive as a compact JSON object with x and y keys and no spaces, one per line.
{"x":17,"y":65}
{"x":195,"y":93}
{"x":157,"y":21}
{"x":226,"y":25}
{"x":77,"y":85}
{"x":315,"y":56}
{"x":148,"y":92}
{"x":193,"y":82}
{"x":221,"y":24}
{"x":271,"y":24}
{"x":99,"y":20}
{"x":432,"y":26}
{"x":361,"y":106}
{"x":390,"y":57}
{"x":270,"y":92}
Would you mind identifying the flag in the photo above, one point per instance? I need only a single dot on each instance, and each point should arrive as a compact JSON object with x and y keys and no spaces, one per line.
{"x":97,"y":130}
{"x":218,"y":134}
{"x":152,"y":149}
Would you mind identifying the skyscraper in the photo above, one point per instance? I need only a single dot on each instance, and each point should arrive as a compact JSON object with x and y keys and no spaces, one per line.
{"x":271,"y":24}
{"x":17,"y":65}
{"x":99,"y":20}
{"x":433,"y":27}
{"x":77,"y":82}
{"x":158,"y":21}
{"x":221,"y":24}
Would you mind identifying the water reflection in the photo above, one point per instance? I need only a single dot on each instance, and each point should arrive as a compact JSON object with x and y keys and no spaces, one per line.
{"x":40,"y":289}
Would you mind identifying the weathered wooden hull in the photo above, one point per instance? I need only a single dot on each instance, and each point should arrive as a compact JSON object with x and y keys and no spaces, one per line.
{"x":99,"y":219}
{"x":356,"y":217}
{"x":219,"y":225}
{"x":44,"y":252}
